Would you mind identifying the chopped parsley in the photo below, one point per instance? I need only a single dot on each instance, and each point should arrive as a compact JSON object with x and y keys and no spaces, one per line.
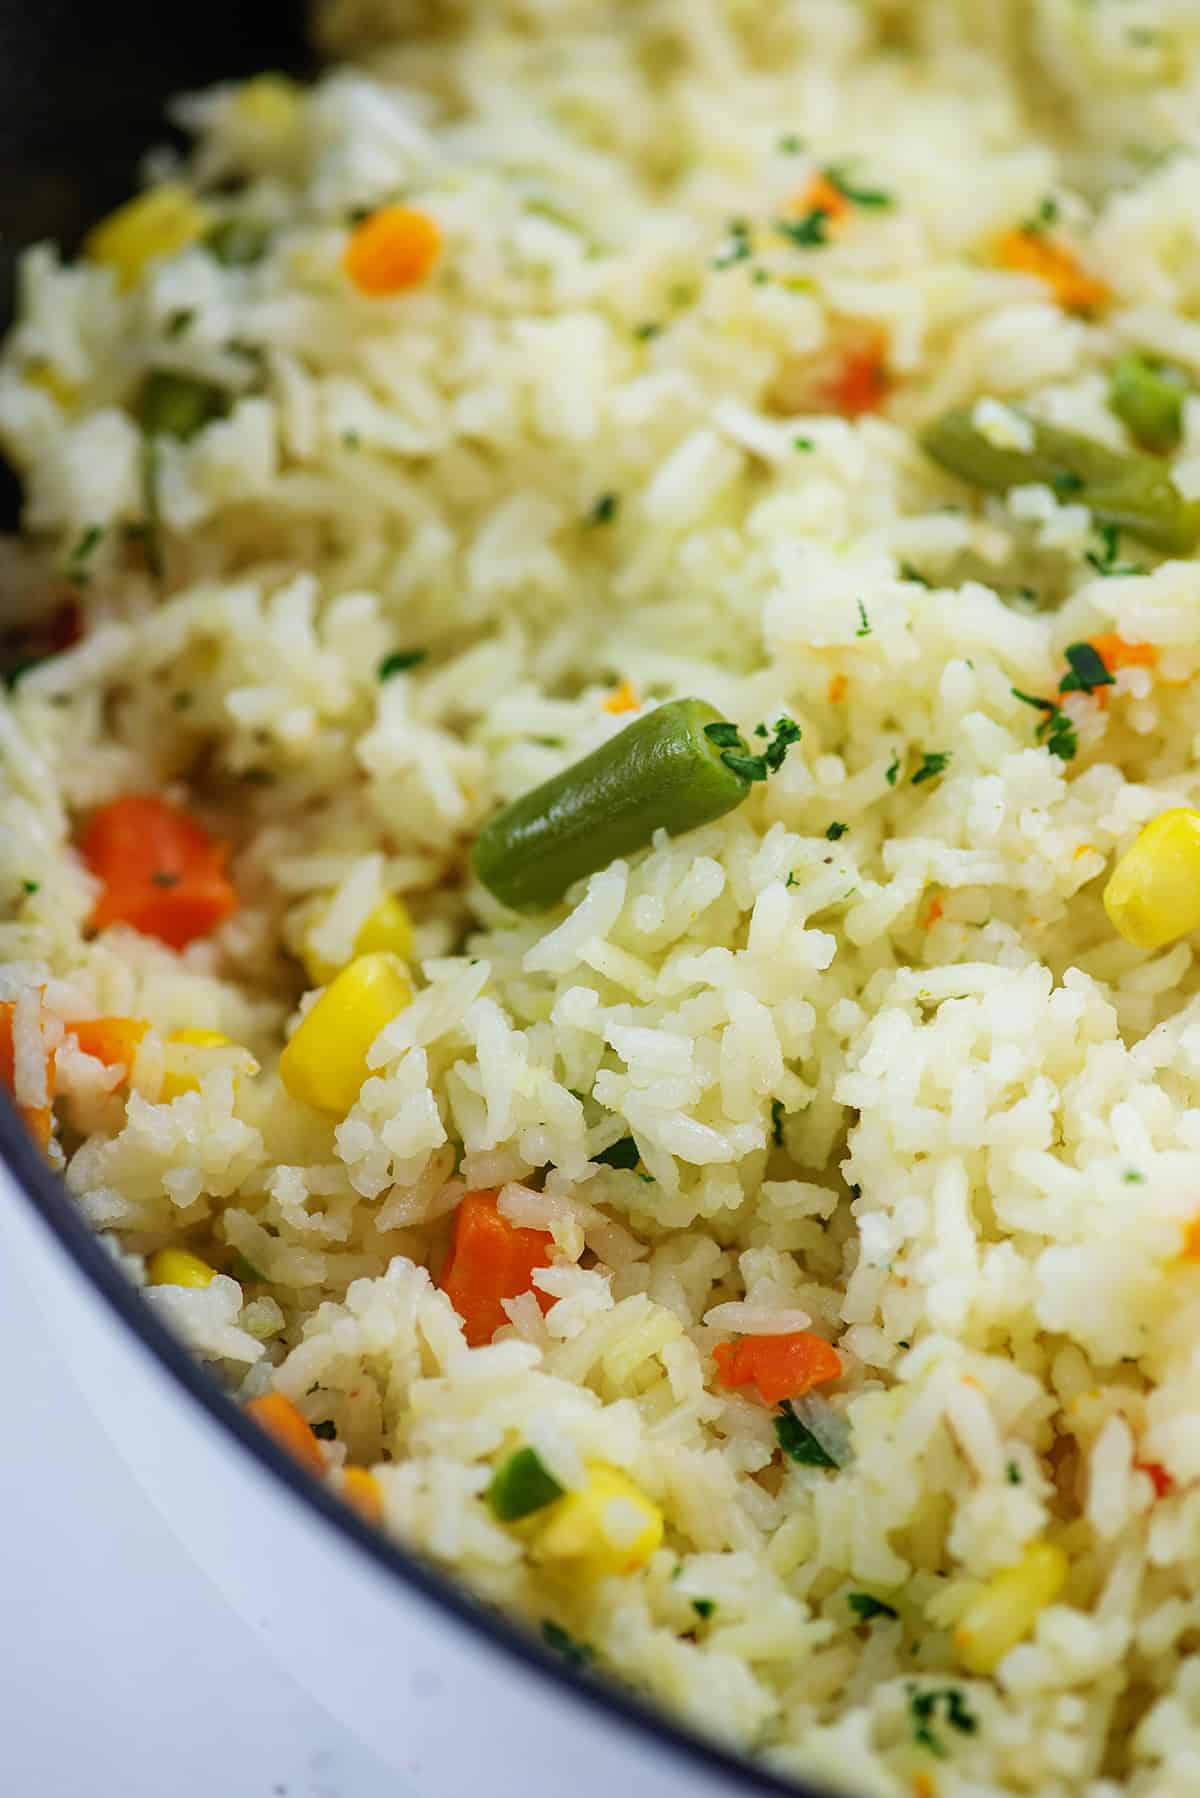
{"x":736,"y":757}
{"x":76,"y":566}
{"x":864,"y":623}
{"x":871,"y":197}
{"x":777,"y":1122}
{"x":604,"y":509}
{"x":1104,"y":560}
{"x":399,"y":660}
{"x":181,"y":701}
{"x":326,"y":1431}
{"x":790,"y":144}
{"x":798,"y":1442}
{"x":164,"y":877}
{"x":1012,"y":1473}
{"x":933,"y":763}
{"x":31,"y":886}
{"x":834,"y":831}
{"x":1132,"y":1177}
{"x":244,"y":1270}
{"x":622,"y":1154}
{"x":923,"y":1709}
{"x":648,"y":330}
{"x":704,"y":1607}
{"x":1045,"y":216}
{"x":351,"y":440}
{"x":892,"y":770}
{"x":802,"y":443}
{"x":809,"y":231}
{"x":179,"y":321}
{"x":579,"y":1655}
{"x":1066,"y":482}
{"x":736,"y":247}
{"x":865,"y":1607}
{"x":909,"y":573}
{"x":1056,"y":729}
{"x":1087,"y":670}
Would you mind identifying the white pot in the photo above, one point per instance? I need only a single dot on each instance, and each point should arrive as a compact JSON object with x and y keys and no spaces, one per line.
{"x":441,"y":1690}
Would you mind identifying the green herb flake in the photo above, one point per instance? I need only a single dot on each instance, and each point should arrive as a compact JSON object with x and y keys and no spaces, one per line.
{"x":650,"y":329}
{"x":622,"y":1154}
{"x":872,"y":198}
{"x":777,"y":1115}
{"x":704,"y":1607}
{"x":864,"y":623}
{"x":31,"y":886}
{"x":798,"y":1442}
{"x":865,"y":1606}
{"x":933,"y":763}
{"x":1012,"y":1473}
{"x":1104,"y":560}
{"x":835,"y":831}
{"x":909,"y":573}
{"x":803,"y":444}
{"x":790,"y":144}
{"x":1087,"y":670}
{"x":579,"y":1655}
{"x":1060,"y":736}
{"x":892,"y":770}
{"x":164,"y":877}
{"x":351,"y":440}
{"x":1045,"y":216}
{"x":736,"y":247}
{"x":923,"y":1709}
{"x":736,"y":757}
{"x":399,"y":661}
{"x":604,"y":509}
{"x":325,"y":1431}
{"x":179,"y":321}
{"x":76,"y":564}
{"x":808,"y":232}
{"x":1132,"y":1177}
{"x":245,"y":1272}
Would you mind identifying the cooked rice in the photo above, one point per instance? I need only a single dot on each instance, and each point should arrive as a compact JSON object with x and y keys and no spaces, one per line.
{"x":904,"y":1084}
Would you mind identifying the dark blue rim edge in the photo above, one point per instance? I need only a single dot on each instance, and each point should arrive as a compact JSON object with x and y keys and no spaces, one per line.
{"x":49,"y":1198}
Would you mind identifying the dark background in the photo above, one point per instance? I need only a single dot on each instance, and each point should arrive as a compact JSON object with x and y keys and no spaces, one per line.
{"x":82,"y":92}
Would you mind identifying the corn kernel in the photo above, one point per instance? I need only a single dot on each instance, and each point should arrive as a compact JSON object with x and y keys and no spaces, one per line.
{"x":175,"y":1267}
{"x":325,"y":1063}
{"x":1007,"y":1608}
{"x":174,"y":1084}
{"x":1153,"y":893}
{"x":609,"y":1526}
{"x":361,"y":1491}
{"x":387,"y":928}
{"x":269,"y":104}
{"x":160,"y":222}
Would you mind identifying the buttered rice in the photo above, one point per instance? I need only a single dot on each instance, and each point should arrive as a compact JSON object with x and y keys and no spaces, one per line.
{"x":771,"y":1268}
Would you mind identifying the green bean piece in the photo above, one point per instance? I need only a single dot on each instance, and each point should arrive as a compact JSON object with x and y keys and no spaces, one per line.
{"x":662,"y":772}
{"x":521,"y":1486}
{"x":239,"y":242}
{"x":174,"y":405}
{"x":1121,"y":488}
{"x":1147,"y":397}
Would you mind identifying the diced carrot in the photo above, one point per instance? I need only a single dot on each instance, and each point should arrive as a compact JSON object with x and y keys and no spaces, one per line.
{"x":393,"y":249}
{"x":161,"y":871}
{"x":360,"y":1490}
{"x":837,"y":689}
{"x":38,"y":1119}
{"x":934,"y":912}
{"x":622,"y":699}
{"x":110,"y":1040}
{"x":1191,"y":1241}
{"x":286,"y":1426}
{"x":1158,"y":1476}
{"x":820,"y":195}
{"x":859,"y":382}
{"x":780,"y":1366}
{"x":1029,"y":253}
{"x":1115,"y":653}
{"x":491,"y":1260}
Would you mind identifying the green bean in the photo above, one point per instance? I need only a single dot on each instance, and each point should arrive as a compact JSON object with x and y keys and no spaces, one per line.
{"x":1121,"y":488}
{"x":661,"y":772}
{"x":520,"y":1486}
{"x":1148,"y":398}
{"x":174,"y":405}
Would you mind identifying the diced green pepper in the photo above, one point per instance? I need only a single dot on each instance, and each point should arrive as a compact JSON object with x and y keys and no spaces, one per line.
{"x":1148,"y":397}
{"x":239,"y":242}
{"x":1119,"y":487}
{"x":173,"y":405}
{"x":521,"y":1486}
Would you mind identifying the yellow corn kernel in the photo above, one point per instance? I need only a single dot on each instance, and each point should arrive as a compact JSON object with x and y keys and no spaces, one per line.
{"x":174,"y":1084}
{"x":47,"y":377}
{"x":325,"y":1063}
{"x":387,"y":928}
{"x":1153,"y":893}
{"x":609,"y":1526}
{"x":1006,"y":1609}
{"x":160,"y":222}
{"x":268,"y":103}
{"x":175,"y":1267}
